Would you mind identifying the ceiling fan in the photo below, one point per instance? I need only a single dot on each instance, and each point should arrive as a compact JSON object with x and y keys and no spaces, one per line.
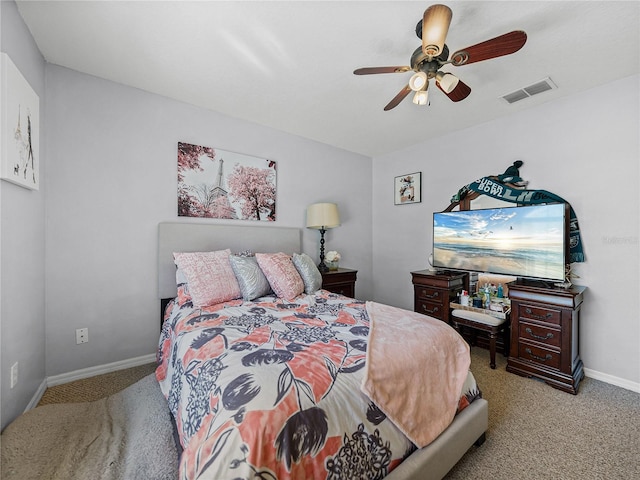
{"x":433,"y":54}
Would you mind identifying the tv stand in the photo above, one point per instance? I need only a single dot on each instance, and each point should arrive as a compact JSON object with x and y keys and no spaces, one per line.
{"x":544,"y":333}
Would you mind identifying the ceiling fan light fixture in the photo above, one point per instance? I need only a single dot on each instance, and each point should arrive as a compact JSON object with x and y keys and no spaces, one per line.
{"x":421,"y":97}
{"x":447,"y":81}
{"x":433,"y":54}
{"x":435,"y":26}
{"x":418,"y":82}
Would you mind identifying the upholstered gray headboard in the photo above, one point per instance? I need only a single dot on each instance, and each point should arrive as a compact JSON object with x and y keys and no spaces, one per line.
{"x":202,"y":237}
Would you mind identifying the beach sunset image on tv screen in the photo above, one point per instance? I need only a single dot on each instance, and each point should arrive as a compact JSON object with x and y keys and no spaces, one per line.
{"x":521,"y":241}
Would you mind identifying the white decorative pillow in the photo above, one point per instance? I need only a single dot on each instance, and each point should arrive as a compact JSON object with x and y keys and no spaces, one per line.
{"x":309,"y":272}
{"x":282,"y":274}
{"x":181,"y":278}
{"x":253,"y":283}
{"x":209,"y":275}
{"x":182,"y":286}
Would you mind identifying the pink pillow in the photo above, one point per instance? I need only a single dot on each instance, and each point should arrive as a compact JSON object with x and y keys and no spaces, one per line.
{"x":209,"y":276}
{"x":281,"y":273}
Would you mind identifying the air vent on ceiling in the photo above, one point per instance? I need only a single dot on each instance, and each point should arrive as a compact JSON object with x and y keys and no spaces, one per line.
{"x":530,"y":90}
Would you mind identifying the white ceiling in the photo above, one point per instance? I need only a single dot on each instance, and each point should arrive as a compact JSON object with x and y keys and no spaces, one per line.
{"x":289,"y":64}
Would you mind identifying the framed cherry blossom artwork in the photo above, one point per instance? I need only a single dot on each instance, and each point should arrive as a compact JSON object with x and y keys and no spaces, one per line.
{"x":408,"y":188}
{"x":20,"y":124}
{"x":214,"y":183}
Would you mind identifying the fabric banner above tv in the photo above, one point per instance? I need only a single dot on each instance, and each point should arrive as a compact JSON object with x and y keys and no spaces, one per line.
{"x":492,"y":188}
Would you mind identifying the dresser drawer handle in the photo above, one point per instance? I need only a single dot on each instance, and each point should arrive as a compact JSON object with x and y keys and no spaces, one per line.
{"x":425,"y":309}
{"x":546,"y":357}
{"x":529,"y":312}
{"x":548,"y":336}
{"x":434,"y":295}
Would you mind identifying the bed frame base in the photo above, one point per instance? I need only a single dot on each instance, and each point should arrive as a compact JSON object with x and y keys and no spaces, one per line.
{"x":480,"y":440}
{"x":435,"y":460}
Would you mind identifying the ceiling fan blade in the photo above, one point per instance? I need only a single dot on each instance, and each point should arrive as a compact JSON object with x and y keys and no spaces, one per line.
{"x":435,"y":25}
{"x":373,"y":70}
{"x":461,"y":91}
{"x":398,"y":98}
{"x":496,"y":47}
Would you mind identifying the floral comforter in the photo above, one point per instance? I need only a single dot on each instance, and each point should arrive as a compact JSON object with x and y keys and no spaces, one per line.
{"x":270,"y":389}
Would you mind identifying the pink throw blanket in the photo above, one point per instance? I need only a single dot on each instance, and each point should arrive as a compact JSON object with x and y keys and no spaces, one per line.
{"x":416,"y":367}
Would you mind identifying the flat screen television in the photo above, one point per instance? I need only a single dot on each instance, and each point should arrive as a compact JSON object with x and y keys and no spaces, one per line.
{"x":528,"y":242}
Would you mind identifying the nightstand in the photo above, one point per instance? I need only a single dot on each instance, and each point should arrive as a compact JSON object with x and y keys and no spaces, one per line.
{"x":433,"y":291}
{"x":342,"y":281}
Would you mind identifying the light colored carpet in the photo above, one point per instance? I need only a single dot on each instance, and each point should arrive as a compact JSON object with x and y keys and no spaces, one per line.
{"x":538,"y":432}
{"x":97,"y":387}
{"x":127,"y":435}
{"x":535,"y":432}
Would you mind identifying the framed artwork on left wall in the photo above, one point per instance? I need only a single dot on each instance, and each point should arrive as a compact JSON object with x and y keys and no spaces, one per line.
{"x":20,"y":124}
{"x":407,"y":189}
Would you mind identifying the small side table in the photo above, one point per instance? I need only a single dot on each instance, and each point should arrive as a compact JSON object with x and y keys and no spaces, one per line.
{"x":341,"y":281}
{"x":434,"y":290}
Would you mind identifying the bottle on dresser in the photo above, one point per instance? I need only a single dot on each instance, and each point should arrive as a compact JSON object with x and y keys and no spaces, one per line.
{"x":473,"y":283}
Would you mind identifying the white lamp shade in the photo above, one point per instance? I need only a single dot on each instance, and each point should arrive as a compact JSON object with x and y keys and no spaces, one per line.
{"x":447,"y":81}
{"x":418,"y":81}
{"x":421,"y":97}
{"x":322,"y":216}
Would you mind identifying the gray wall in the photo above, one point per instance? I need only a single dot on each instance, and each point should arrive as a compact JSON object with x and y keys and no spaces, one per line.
{"x":22,"y":297}
{"x":111,"y":178}
{"x":584,"y":148}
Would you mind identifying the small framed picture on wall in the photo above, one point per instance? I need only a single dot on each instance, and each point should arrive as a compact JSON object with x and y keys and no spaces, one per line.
{"x":407,"y":189}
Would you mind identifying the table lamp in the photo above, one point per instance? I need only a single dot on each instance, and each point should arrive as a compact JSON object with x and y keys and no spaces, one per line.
{"x":322,"y":216}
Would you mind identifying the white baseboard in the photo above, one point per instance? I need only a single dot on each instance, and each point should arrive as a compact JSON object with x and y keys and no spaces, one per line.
{"x":86,"y":373}
{"x":37,"y":396}
{"x":617,"y":381}
{"x":143,"y":360}
{"x":99,"y":370}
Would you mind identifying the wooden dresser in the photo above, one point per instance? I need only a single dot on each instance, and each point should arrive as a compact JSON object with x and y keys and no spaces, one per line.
{"x":433,"y":291}
{"x":341,"y":281}
{"x":544,"y":333}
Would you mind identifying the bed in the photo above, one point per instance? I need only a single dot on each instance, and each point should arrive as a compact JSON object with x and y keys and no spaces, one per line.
{"x":294,"y":369}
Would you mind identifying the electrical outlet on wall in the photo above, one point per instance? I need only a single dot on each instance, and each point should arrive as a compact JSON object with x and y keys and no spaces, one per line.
{"x":82,"y":335}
